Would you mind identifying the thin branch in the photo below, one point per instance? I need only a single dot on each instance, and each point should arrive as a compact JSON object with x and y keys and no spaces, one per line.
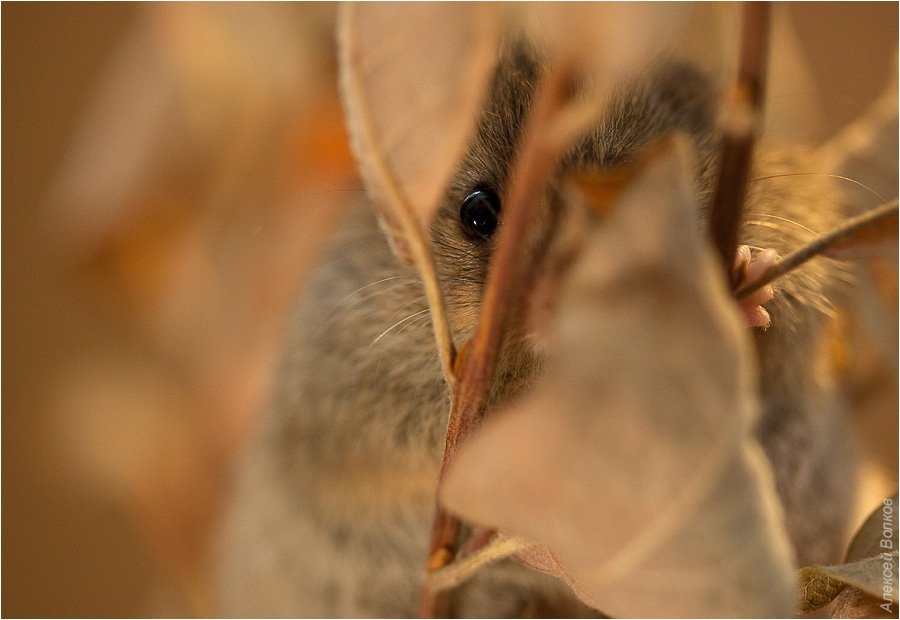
{"x":740,"y":122}
{"x":511,"y":264}
{"x":858,"y":226}
{"x":511,"y":261}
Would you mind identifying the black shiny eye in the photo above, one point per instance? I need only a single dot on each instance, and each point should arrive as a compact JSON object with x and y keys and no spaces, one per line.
{"x":479,"y":213}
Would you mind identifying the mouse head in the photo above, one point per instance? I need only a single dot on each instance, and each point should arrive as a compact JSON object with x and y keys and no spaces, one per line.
{"x":670,"y":97}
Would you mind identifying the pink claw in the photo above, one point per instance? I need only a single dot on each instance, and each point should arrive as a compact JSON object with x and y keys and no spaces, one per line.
{"x":748,"y":269}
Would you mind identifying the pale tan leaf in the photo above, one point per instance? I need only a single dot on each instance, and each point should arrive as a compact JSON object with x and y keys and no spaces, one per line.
{"x":866,"y":152}
{"x":793,"y":112}
{"x":413,"y":78}
{"x":879,"y":527}
{"x":854,"y":603}
{"x":634,"y":461}
{"x":609,"y":39}
{"x":870,"y":569}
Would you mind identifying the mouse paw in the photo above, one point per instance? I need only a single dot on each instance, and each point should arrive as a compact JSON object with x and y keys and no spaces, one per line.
{"x":748,"y":268}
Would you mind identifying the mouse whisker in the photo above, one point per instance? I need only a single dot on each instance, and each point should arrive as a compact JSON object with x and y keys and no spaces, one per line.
{"x":769,"y":225}
{"x":411,"y":317}
{"x":824,"y":174}
{"x":365,"y":294}
{"x":415,"y":321}
{"x":789,"y":221}
{"x":377,"y":292}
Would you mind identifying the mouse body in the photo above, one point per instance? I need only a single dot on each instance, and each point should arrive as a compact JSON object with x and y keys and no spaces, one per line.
{"x":335,"y":496}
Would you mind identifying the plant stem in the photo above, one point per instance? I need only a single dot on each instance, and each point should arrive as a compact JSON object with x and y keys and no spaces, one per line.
{"x":510,"y":266}
{"x":740,"y":121}
{"x":858,"y":225}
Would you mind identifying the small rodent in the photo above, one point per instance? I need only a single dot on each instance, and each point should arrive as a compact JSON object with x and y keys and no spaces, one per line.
{"x":334,"y":500}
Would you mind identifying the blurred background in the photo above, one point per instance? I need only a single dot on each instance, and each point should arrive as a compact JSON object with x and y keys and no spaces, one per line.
{"x":169,"y":173}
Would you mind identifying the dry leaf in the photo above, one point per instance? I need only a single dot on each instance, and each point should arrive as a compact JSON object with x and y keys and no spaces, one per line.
{"x":787,"y":116}
{"x":610,"y":39}
{"x":881,"y":525}
{"x":869,"y":572}
{"x":821,"y":584}
{"x":413,"y":78}
{"x":634,"y":461}
{"x":875,"y":238}
{"x":866,"y":152}
{"x":854,"y":603}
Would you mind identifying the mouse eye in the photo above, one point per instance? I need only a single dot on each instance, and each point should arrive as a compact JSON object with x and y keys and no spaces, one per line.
{"x":479,"y":213}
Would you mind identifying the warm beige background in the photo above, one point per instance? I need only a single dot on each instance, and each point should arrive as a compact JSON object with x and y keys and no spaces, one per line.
{"x":64,"y":553}
{"x":70,"y":548}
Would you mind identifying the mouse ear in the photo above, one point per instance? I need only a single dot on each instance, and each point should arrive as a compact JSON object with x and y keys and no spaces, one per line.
{"x":413,"y":77}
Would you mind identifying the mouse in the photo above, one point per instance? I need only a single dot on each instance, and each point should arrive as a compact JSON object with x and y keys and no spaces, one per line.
{"x":333,"y":499}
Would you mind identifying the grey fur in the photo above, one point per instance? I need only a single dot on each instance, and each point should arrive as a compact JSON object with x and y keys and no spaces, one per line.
{"x":334,"y":499}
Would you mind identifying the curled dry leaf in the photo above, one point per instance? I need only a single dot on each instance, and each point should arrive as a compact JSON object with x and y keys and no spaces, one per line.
{"x":819,"y":585}
{"x":633,"y":464}
{"x":413,"y":78}
{"x":854,"y":603}
{"x":557,"y":116}
{"x":868,"y":577}
{"x":865,"y":151}
{"x":880,"y":526}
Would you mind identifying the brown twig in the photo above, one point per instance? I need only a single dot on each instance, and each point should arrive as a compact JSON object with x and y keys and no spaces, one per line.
{"x":858,"y":225}
{"x":509,"y":267}
{"x":740,"y":122}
